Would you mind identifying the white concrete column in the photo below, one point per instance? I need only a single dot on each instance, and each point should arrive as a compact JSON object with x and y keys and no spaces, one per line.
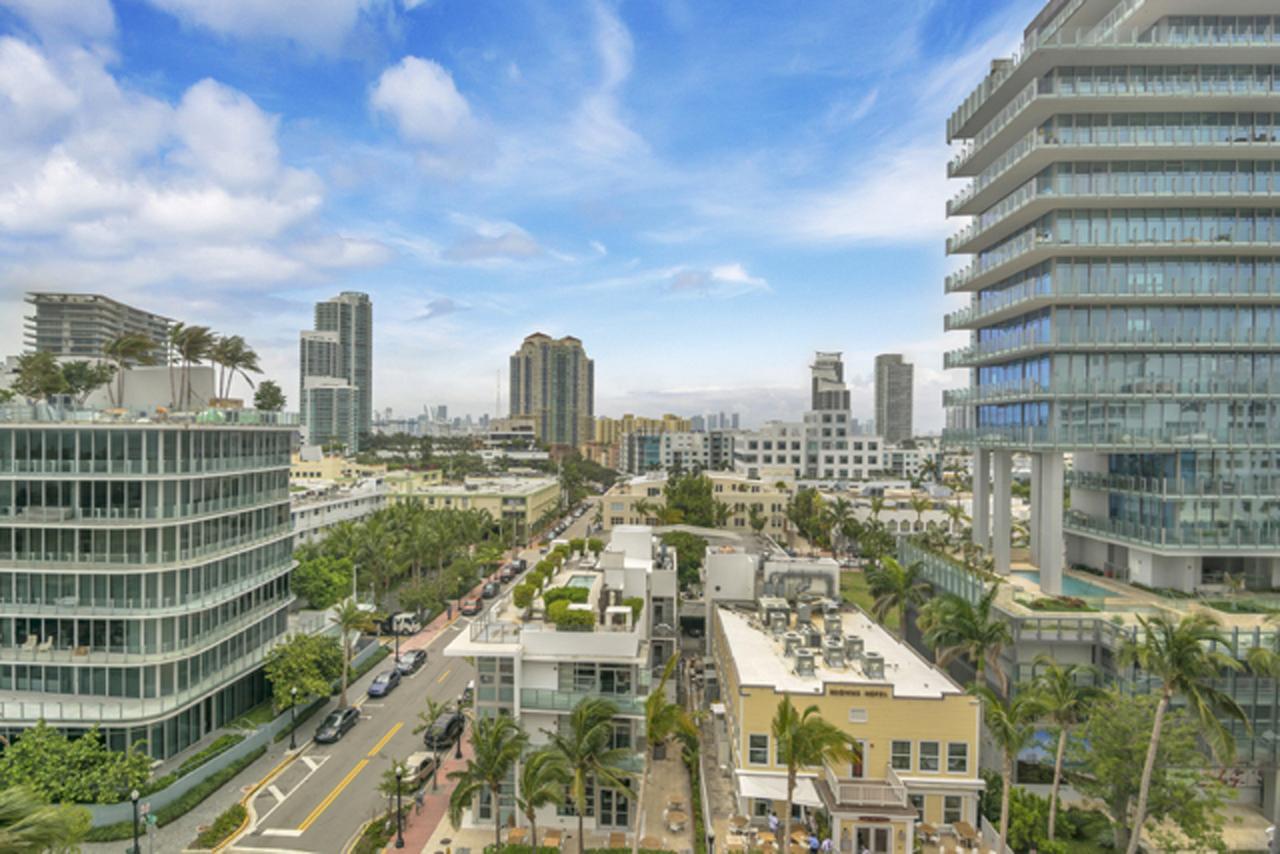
{"x":1052,"y":545}
{"x":982,"y":497}
{"x":1033,"y":524}
{"x":1001,"y":510}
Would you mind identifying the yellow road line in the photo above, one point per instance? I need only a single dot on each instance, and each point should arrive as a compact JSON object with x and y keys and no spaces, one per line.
{"x":333,"y":795}
{"x":443,"y":676}
{"x":383,"y":741}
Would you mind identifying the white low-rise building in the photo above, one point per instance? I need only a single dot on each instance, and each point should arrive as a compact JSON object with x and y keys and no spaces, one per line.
{"x":322,"y":506}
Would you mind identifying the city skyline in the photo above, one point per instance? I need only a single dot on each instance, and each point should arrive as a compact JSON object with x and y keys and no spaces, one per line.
{"x":479,"y":185}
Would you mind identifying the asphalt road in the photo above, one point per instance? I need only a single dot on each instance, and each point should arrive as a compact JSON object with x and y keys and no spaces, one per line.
{"x":322,"y":798}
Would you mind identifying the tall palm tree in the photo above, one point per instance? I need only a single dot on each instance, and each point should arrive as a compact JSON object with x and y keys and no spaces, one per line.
{"x":29,"y":825}
{"x":351,"y":620}
{"x":542,"y":780}
{"x":805,"y":740}
{"x":496,"y":745}
{"x":1065,"y":700}
{"x":895,"y":588}
{"x":193,"y":346}
{"x":1183,"y":655}
{"x":435,"y":708}
{"x":955,"y":513}
{"x":584,"y":746}
{"x":233,"y":356}
{"x":1011,"y":725}
{"x":957,"y":628}
{"x":877,"y":504}
{"x":920,"y":503}
{"x":125,"y":350}
{"x":838,"y":514}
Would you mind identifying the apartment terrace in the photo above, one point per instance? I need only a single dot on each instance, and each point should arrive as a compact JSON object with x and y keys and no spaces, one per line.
{"x":42,"y":413}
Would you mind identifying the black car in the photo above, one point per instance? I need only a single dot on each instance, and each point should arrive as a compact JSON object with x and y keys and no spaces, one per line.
{"x":335,"y":726}
{"x":519,"y":565}
{"x":385,"y":682}
{"x":411,"y":661}
{"x":490,"y":590}
{"x":444,"y":731}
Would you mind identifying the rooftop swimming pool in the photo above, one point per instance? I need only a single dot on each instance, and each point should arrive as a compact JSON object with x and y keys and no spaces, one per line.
{"x":583,"y":581}
{"x":1071,"y":586}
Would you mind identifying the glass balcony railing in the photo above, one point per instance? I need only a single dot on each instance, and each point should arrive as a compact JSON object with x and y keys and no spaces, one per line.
{"x":50,"y":515}
{"x":1224,"y":535}
{"x":168,"y":469}
{"x":547,"y":700}
{"x":223,"y":546}
{"x":1256,"y":486}
{"x":1112,"y":437}
{"x":1105,"y":339}
{"x":43,"y":413}
{"x":1139,"y":387}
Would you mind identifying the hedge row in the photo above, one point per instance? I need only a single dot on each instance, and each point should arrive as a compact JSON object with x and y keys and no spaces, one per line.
{"x":180,"y":807}
{"x":223,"y":826}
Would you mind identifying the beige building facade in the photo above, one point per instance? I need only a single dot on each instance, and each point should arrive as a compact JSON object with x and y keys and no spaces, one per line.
{"x":516,"y":502}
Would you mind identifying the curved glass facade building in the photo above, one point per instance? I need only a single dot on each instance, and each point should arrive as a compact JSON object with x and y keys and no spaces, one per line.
{"x":1123,"y":189}
{"x":144,"y":571}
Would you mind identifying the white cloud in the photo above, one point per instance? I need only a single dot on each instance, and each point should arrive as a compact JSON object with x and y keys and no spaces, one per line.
{"x":723,"y":280}
{"x":31,"y":94}
{"x":420,"y":97}
{"x":338,"y":251}
{"x":320,"y":25}
{"x":598,"y":127}
{"x":58,"y":20}
{"x":492,"y":242}
{"x":226,"y":136}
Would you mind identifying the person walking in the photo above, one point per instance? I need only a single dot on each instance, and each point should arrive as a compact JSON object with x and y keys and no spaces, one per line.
{"x":773,"y":822}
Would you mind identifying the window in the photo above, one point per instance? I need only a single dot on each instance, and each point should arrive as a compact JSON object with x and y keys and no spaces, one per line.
{"x":952,"y":809}
{"x":900,"y":755}
{"x":917,"y":804}
{"x":957,"y":757}
{"x":857,"y":716}
{"x":928,"y":756}
{"x":758,"y":749}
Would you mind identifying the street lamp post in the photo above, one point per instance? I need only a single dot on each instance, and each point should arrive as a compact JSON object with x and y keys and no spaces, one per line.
{"x":397,"y":634}
{"x":293,"y":718}
{"x":457,"y":753}
{"x":133,"y":796}
{"x":399,"y":812}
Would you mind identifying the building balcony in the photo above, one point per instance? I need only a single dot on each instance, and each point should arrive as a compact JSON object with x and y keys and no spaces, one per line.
{"x":548,"y":700}
{"x":1111,"y":438}
{"x":1143,"y":387}
{"x":842,"y":794}
{"x":148,"y":469}
{"x":1039,"y":101}
{"x":130,"y":517}
{"x":1032,"y":247}
{"x":1041,"y":148}
{"x":50,"y":558}
{"x":1250,"y":535}
{"x":1260,"y":487}
{"x":1103,"y":339}
{"x":43,"y":413}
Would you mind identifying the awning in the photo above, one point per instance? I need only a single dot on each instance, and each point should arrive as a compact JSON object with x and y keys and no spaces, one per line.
{"x":774,"y":788}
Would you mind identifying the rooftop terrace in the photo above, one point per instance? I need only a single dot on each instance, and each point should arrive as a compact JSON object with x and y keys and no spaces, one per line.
{"x":41,"y":413}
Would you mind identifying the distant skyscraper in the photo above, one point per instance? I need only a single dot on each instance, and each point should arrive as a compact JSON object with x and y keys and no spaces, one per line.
{"x":827,"y":380}
{"x":336,"y":371}
{"x":735,"y":422}
{"x":698,"y":424}
{"x":894,"y":380}
{"x":553,"y":381}
{"x":78,"y":326}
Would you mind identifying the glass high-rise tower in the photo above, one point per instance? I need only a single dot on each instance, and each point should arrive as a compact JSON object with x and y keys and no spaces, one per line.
{"x":335,"y":367}
{"x":1124,"y":291}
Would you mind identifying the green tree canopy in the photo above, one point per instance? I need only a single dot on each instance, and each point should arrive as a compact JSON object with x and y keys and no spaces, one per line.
{"x":80,"y":770}
{"x":320,"y":578}
{"x":268,"y":397}
{"x":309,"y":663}
{"x":690,"y":500}
{"x":690,"y":550}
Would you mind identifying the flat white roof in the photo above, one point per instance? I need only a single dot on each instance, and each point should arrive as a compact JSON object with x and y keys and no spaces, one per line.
{"x":760,"y":662}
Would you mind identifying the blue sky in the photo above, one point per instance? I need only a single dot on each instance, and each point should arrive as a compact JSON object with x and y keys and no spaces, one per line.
{"x":704,"y":192}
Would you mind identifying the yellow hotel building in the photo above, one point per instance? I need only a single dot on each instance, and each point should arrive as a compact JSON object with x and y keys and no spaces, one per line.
{"x":918,"y":731}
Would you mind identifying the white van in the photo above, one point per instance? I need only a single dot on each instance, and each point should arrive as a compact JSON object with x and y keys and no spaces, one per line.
{"x":405,"y":623}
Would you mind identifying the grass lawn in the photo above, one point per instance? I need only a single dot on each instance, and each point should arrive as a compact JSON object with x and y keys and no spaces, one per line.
{"x":255,"y":717}
{"x":853,"y":588}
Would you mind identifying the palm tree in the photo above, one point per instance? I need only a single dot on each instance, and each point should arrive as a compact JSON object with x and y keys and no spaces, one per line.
{"x":124,"y":350}
{"x":585,"y":749}
{"x":542,"y":779}
{"x":29,"y":825}
{"x":176,"y":332}
{"x":1065,"y":702}
{"x":805,"y":740}
{"x":496,"y":744}
{"x":351,"y":620}
{"x":877,"y":504}
{"x":838,"y":514}
{"x":955,"y":513}
{"x":895,"y":588}
{"x":1183,"y":655}
{"x":193,"y":345}
{"x":435,"y":708}
{"x":956,"y":628}
{"x":233,"y":356}
{"x":920,"y":503}
{"x":1011,"y":725}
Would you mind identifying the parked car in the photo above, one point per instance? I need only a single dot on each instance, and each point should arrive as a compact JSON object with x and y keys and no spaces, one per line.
{"x":385,"y":682}
{"x":468,"y":693}
{"x":419,"y":767}
{"x":411,"y":661}
{"x":336,"y":725}
{"x":507,"y":573}
{"x":490,"y":590}
{"x":444,"y":731}
{"x":519,"y":565}
{"x":471,"y":607}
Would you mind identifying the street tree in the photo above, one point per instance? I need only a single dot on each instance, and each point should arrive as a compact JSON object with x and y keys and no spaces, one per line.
{"x":805,"y":740}
{"x":307,"y":663}
{"x":497,"y":744}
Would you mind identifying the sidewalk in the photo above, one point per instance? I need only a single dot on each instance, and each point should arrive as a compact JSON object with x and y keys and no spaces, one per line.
{"x":421,"y":825}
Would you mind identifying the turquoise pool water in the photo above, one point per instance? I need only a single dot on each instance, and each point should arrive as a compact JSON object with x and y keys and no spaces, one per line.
{"x":584,"y":581}
{"x":1071,"y":586}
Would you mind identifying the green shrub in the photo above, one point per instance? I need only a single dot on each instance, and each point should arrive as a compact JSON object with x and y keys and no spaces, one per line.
{"x":636,"y":603}
{"x":522,"y":594}
{"x":223,"y":826}
{"x":566,"y":620}
{"x":180,"y":807}
{"x":221,"y":744}
{"x":691,"y":762}
{"x":578,"y":544}
{"x":577,"y":595}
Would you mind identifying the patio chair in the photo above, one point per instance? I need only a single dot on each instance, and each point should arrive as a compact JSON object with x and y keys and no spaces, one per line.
{"x":551,"y":839}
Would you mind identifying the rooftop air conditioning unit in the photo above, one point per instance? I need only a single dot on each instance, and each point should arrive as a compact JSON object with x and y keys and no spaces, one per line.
{"x":804,"y":662}
{"x":832,"y":625}
{"x":791,"y":641}
{"x":873,"y":665}
{"x":804,"y":612}
{"x":777,"y":622}
{"x":812,"y":637}
{"x":833,"y":653}
{"x":853,"y":647}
